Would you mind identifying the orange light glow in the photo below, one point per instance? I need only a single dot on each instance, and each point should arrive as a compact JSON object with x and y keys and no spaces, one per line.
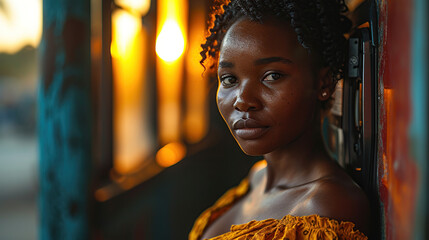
{"x":125,"y":28}
{"x":170,"y":154}
{"x":140,"y":6}
{"x":196,"y":118}
{"x":101,"y":195}
{"x":170,"y":43}
{"x":170,"y":70}
{"x":131,"y":134}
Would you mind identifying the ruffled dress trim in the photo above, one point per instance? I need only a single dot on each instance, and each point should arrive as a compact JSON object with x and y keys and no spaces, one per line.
{"x":311,"y":227}
{"x":293,"y":228}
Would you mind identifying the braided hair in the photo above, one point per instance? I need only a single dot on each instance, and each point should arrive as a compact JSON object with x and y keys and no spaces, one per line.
{"x":319,"y":25}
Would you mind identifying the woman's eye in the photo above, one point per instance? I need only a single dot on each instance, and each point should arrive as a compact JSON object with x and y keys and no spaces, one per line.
{"x":228,"y":80}
{"x":272,"y":77}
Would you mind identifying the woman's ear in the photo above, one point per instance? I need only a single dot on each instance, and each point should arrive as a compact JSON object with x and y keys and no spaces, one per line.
{"x":326,"y":84}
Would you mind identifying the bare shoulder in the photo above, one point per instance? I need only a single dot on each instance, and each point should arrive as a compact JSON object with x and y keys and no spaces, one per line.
{"x":337,"y":196}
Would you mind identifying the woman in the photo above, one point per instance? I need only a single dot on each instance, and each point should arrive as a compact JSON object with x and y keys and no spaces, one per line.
{"x":277,"y":63}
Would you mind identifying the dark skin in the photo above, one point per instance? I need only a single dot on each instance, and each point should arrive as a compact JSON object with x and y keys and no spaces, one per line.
{"x":270,"y":93}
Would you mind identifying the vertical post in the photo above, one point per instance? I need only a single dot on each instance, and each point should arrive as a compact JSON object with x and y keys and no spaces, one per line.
{"x":403,"y":118}
{"x":106,"y":91}
{"x":419,"y":131}
{"x":65,"y":120}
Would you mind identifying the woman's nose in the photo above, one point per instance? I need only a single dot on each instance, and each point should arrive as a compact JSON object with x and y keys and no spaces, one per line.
{"x":247,"y":98}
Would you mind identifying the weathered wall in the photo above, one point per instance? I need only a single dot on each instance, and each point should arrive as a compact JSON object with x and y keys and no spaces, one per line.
{"x":65,"y":120}
{"x":402,"y":145}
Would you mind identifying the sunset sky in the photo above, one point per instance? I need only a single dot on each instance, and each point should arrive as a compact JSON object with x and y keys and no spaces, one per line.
{"x":20,"y":24}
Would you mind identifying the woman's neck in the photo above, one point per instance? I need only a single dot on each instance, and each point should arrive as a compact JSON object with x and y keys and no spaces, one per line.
{"x":298,"y":163}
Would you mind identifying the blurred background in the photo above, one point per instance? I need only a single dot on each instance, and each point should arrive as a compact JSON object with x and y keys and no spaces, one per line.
{"x":109,"y":128}
{"x":150,"y":112}
{"x":21,"y":32}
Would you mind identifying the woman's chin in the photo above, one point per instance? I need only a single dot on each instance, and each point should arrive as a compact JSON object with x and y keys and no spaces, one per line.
{"x":254,"y":147}
{"x":252,"y":151}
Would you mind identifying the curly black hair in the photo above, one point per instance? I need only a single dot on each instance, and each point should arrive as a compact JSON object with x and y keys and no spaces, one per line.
{"x":319,"y":25}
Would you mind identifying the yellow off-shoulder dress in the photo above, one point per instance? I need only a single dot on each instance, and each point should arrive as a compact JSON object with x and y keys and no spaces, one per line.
{"x":311,"y":227}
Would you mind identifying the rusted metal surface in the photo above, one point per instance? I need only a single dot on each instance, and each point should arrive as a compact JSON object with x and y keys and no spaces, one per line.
{"x":398,"y":175}
{"x":65,"y":122}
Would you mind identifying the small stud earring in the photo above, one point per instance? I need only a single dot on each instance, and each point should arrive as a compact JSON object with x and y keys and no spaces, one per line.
{"x":324,"y":94}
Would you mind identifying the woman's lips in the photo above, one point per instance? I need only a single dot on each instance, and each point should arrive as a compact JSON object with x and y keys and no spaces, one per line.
{"x":250,"y":133}
{"x":249,"y":129}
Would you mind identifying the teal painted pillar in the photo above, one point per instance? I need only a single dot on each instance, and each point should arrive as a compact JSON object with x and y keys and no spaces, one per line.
{"x":65,"y":121}
{"x":419,"y":126}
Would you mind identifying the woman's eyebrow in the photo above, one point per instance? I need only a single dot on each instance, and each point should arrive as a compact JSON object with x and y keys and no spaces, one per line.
{"x":225,"y":64}
{"x":272,"y":59}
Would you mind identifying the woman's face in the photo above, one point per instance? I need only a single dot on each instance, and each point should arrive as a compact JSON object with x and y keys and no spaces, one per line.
{"x":268,"y":89}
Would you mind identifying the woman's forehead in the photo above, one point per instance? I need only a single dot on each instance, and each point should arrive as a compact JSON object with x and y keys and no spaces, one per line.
{"x":263,"y":39}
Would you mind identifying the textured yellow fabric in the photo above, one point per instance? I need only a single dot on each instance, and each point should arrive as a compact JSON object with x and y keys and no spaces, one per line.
{"x":288,"y":228}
